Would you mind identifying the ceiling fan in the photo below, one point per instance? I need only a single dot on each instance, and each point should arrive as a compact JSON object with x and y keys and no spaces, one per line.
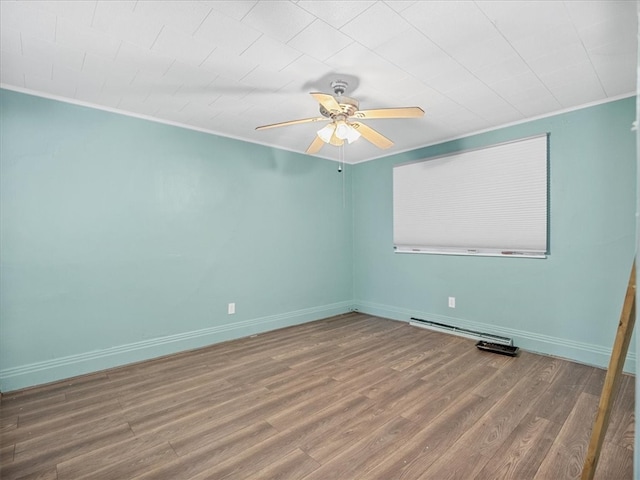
{"x":345,"y":119}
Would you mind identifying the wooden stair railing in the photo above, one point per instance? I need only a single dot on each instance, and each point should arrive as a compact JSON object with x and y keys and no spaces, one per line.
{"x":612,"y":379}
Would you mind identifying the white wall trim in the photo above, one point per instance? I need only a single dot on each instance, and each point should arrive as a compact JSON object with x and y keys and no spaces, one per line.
{"x":94,"y":361}
{"x":61,"y":368}
{"x":150,"y":118}
{"x":586,"y":353}
{"x":95,"y":106}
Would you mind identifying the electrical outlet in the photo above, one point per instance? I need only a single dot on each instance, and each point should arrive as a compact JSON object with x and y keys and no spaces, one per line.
{"x":452,"y":302}
{"x":231,"y":308}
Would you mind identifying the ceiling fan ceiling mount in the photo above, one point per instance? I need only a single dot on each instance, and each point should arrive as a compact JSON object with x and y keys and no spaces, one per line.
{"x":339,"y":87}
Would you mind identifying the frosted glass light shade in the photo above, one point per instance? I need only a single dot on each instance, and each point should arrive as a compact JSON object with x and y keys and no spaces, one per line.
{"x":344,"y":131}
{"x":326,"y":132}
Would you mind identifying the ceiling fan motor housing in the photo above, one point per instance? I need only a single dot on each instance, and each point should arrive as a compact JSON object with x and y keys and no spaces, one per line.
{"x":348,"y":106}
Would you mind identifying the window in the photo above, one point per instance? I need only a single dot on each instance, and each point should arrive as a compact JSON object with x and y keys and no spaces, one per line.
{"x":489,"y":201}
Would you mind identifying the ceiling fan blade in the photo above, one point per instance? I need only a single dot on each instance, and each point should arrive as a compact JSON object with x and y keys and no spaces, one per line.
{"x":401,"y":112}
{"x":370,"y":134}
{"x":291,"y":122}
{"x":327,"y":101}
{"x":315,"y":146}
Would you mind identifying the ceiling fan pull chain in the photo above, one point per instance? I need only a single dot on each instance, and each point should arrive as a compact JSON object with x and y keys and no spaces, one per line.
{"x":344,"y":187}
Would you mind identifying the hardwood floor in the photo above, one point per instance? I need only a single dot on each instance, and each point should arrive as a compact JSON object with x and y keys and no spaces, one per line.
{"x":350,"y":397}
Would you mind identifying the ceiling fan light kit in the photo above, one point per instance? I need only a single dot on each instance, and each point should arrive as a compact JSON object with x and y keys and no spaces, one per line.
{"x":344,"y":131}
{"x":339,"y":109}
{"x":326,"y":132}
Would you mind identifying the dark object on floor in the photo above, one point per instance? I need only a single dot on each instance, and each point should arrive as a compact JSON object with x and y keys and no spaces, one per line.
{"x":498,"y":348}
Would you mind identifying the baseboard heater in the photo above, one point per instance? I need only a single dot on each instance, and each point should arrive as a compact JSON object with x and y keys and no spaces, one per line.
{"x":462,"y":332}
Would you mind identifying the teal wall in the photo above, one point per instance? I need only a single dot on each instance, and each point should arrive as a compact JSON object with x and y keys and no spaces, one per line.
{"x":124,"y":239}
{"x":567,"y":304}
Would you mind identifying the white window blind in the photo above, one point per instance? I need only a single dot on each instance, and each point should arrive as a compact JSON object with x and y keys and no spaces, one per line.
{"x":490,"y":201}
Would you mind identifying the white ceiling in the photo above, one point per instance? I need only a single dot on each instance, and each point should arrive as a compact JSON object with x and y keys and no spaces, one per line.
{"x":228,"y":66}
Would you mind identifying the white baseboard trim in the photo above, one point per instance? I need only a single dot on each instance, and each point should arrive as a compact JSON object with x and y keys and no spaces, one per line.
{"x":40,"y":373}
{"x":580,"y":352}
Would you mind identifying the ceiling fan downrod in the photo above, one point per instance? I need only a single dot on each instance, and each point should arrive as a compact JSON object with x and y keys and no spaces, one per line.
{"x":339,"y":87}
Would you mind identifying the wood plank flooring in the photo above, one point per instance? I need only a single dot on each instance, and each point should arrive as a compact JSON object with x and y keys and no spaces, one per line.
{"x":350,"y":397}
